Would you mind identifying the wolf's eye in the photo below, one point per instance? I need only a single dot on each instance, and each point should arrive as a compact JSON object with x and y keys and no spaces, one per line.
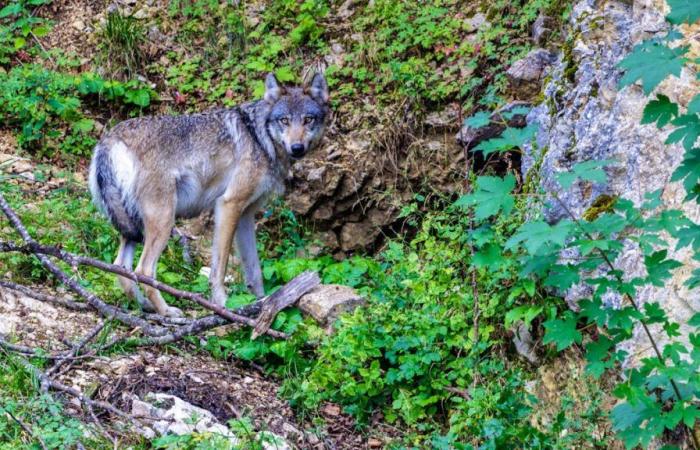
{"x":308,"y":120}
{"x":284,"y":121}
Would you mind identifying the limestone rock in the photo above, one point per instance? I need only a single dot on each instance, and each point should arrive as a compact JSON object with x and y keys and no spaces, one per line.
{"x":525,"y":75}
{"x":327,"y":301}
{"x":175,"y":416}
{"x":586,"y":117}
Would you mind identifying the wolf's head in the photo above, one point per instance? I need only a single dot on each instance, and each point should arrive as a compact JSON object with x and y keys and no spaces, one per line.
{"x":298,"y":114}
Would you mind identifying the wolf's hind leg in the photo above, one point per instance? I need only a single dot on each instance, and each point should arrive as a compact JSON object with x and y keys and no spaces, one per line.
{"x":125,"y":259}
{"x":245,"y":243}
{"x":156,"y":235}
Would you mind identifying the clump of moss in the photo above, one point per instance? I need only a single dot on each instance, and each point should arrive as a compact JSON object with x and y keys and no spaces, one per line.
{"x":602,"y":204}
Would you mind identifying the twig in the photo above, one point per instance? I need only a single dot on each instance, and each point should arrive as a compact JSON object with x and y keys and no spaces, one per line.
{"x":69,"y":304}
{"x":27,"y":429}
{"x":77,"y":348}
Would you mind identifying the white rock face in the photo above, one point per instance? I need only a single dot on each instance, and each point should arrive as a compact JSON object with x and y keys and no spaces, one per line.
{"x":586,"y":117}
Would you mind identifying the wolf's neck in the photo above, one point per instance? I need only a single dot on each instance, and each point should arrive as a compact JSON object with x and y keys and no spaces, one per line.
{"x":254,"y":117}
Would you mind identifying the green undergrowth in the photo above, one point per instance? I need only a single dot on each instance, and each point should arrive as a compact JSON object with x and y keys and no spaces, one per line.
{"x":30,"y":420}
{"x":433,"y":54}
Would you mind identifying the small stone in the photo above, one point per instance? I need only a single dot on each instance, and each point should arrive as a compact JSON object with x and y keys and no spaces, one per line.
{"x":78,"y":25}
{"x":526,"y":75}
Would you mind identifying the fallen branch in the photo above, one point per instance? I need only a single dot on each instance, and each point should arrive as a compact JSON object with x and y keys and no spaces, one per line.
{"x":71,"y":304}
{"x":285,"y":296}
{"x":106,"y":310}
{"x":34,"y":248}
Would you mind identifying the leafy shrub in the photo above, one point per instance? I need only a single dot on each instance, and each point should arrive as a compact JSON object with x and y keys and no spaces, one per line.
{"x":47,"y":106}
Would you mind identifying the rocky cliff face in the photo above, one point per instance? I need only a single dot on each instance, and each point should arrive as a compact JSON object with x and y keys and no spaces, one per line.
{"x":351,"y":190}
{"x":585,"y":116}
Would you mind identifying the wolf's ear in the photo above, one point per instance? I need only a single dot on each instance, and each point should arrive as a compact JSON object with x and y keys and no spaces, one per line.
{"x":317,"y":88}
{"x":273,"y":90}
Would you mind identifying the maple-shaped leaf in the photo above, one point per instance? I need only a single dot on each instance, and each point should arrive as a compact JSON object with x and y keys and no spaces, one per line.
{"x":683,"y":11}
{"x":510,"y":138}
{"x":598,"y":356}
{"x":688,"y":130}
{"x":651,"y":61}
{"x":662,"y":111}
{"x":694,"y":105}
{"x":689,"y":172}
{"x":491,"y":196}
{"x":659,"y":268}
{"x":695,"y":320}
{"x":538,"y":233}
{"x":478,"y":120}
{"x":588,"y":170}
{"x":562,"y":332}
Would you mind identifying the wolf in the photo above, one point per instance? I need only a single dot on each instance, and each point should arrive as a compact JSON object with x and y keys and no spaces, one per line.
{"x":147,"y":172}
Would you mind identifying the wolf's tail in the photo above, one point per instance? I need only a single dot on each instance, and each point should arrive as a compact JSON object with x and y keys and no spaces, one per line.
{"x":111,"y":180}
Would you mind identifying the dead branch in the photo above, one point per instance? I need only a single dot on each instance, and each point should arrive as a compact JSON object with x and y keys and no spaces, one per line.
{"x":267,"y":307}
{"x":71,"y":304}
{"x":285,"y":296}
{"x":106,"y":310}
{"x":34,"y":248}
{"x":77,"y":348}
{"x":89,"y":403}
{"x":66,"y":303}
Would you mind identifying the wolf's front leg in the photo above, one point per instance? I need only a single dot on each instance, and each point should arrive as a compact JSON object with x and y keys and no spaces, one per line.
{"x":245,"y":242}
{"x":226,"y":217}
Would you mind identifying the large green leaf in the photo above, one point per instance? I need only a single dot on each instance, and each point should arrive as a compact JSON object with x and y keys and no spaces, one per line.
{"x":651,"y":62}
{"x":683,"y":11}
{"x":688,"y":130}
{"x":662,"y":111}
{"x":562,"y":332}
{"x":491,"y":196}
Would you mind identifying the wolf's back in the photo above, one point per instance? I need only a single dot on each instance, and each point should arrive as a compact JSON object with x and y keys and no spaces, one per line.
{"x":113,"y":173}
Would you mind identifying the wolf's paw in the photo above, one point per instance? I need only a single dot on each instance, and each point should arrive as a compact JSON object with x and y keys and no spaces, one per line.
{"x":173,"y":312}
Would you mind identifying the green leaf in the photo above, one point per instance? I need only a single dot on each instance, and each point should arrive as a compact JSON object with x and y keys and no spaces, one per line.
{"x":11,"y":10}
{"x":689,"y":172}
{"x":683,"y":11}
{"x":139,"y":97}
{"x":510,"y":138}
{"x":491,"y":197}
{"x":597,"y":355}
{"x":694,"y":105}
{"x":538,"y":233}
{"x":695,"y":320}
{"x":526,"y":313}
{"x":587,"y":170}
{"x":662,"y":111}
{"x":659,"y":268}
{"x":688,"y":130}
{"x":478,"y":120}
{"x":488,"y":256}
{"x":562,"y":332}
{"x":651,"y":62}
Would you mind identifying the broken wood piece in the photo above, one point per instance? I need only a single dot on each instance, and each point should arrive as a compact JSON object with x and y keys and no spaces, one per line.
{"x":285,"y":296}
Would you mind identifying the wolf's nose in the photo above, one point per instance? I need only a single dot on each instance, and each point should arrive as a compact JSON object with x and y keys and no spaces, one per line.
{"x":297,"y":150}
